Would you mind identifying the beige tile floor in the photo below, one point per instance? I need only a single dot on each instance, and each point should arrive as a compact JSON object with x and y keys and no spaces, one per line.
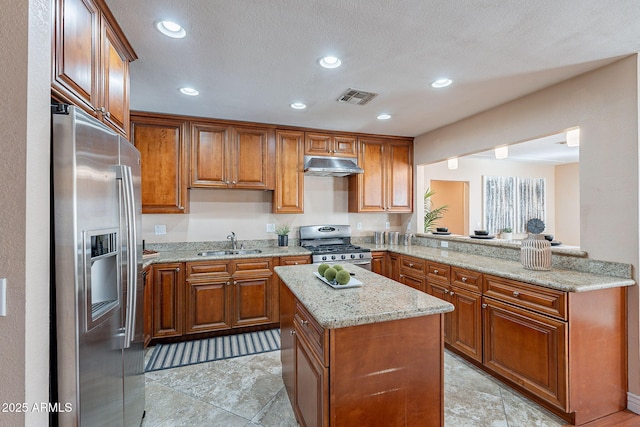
{"x":248,"y":392}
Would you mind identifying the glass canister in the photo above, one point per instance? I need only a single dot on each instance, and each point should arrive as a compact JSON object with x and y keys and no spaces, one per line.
{"x":378,"y":237}
{"x":407,"y":239}
{"x":394,"y":237}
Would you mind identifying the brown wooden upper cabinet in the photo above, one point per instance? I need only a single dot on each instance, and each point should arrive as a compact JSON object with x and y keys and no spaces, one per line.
{"x":224,"y":156}
{"x":91,"y":61}
{"x":327,"y":144}
{"x":387,"y":182}
{"x":288,"y":196}
{"x":163,"y":150}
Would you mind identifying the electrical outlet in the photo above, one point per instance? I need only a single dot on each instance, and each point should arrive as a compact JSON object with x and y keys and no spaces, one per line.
{"x":359,"y":226}
{"x":271,"y":228}
{"x":387,"y":225}
{"x":160,"y":229}
{"x":444,"y":244}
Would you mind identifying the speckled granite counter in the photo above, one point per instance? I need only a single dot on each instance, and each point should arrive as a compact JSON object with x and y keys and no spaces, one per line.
{"x":378,"y":299}
{"x":185,"y":255}
{"x":560,"y":279}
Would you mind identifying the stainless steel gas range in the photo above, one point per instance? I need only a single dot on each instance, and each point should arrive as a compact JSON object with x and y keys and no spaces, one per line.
{"x":332,"y":244}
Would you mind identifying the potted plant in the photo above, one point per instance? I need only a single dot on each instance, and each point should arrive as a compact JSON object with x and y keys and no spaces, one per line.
{"x":432,"y":215}
{"x":506,"y":233}
{"x":282,"y":230}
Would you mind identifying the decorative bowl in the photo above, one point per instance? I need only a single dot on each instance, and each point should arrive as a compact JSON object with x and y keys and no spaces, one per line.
{"x":481,"y":232}
{"x":442,"y":229}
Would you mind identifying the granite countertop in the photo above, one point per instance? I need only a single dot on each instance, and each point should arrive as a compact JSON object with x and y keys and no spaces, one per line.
{"x":378,"y":299}
{"x":559,"y":279}
{"x":192,"y":254}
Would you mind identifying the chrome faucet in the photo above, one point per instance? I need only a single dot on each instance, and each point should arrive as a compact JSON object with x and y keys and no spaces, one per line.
{"x":234,"y":243}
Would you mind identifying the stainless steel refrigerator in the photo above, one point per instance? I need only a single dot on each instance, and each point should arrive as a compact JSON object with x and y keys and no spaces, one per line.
{"x":97,"y":260}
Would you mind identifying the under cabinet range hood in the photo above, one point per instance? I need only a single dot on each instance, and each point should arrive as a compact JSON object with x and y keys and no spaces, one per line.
{"x":330,"y":166}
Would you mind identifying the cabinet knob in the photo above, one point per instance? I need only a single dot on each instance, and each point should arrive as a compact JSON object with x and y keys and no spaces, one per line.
{"x":484,"y":305}
{"x":402,"y":275}
{"x":464,"y":279}
{"x":446,"y":291}
{"x":107,"y":114}
{"x":410,"y":264}
{"x":292,"y":332}
{"x":435,"y":271}
{"x":516,"y":293}
{"x":295,"y":263}
{"x":178,"y":270}
{"x":228,"y":283}
{"x":451,"y":293}
{"x":305,"y":322}
{"x":233,"y":182}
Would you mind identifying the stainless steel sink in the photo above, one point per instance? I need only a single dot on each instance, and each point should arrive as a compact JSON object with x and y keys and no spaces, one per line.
{"x":230,"y":252}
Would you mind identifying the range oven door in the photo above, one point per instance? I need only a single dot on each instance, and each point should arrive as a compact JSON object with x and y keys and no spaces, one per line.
{"x":364,"y":263}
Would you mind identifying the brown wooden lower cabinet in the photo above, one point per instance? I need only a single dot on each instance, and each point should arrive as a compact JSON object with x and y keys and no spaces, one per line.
{"x":183,"y":299}
{"x":378,"y":264}
{"x":168,"y":300}
{"x":565,"y":350}
{"x":356,"y":376}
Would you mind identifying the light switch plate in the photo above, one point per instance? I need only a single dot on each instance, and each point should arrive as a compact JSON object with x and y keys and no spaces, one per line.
{"x":387,"y":225}
{"x":271,"y":228}
{"x":359,"y":225}
{"x":160,"y":229}
{"x":444,"y":244}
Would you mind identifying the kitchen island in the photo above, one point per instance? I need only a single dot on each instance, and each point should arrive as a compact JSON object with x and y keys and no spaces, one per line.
{"x":367,"y":355}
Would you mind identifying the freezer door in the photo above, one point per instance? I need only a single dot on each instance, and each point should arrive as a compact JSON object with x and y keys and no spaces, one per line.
{"x":133,"y":289}
{"x":86,"y":215}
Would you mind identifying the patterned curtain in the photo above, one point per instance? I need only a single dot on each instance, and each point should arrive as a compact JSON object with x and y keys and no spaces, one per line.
{"x":509,"y":202}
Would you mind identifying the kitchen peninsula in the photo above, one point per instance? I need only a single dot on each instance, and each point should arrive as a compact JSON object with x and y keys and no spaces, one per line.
{"x":368,"y":355}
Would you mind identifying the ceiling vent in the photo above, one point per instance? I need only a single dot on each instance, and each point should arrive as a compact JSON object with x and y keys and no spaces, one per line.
{"x":357,"y":97}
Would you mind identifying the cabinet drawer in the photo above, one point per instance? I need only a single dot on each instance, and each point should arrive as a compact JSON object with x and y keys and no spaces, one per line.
{"x":253,"y":264}
{"x":439,"y":273}
{"x":543,"y":300}
{"x":315,"y":334}
{"x":467,"y":279}
{"x":295,"y":260}
{"x":197,"y":269}
{"x":414,"y":265}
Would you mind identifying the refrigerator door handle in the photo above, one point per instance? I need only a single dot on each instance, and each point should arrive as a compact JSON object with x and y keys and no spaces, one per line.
{"x":127,"y":194}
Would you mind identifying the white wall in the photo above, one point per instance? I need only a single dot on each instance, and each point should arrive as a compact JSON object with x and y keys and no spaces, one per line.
{"x":472,"y":171}
{"x":214,"y":213}
{"x":25,"y":44}
{"x":568,"y":203}
{"x":604,"y":103}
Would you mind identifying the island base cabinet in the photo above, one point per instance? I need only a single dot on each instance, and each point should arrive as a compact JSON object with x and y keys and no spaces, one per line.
{"x":372,"y":383}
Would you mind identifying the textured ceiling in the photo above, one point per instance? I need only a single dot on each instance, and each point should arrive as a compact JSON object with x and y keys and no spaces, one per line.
{"x":250,"y":59}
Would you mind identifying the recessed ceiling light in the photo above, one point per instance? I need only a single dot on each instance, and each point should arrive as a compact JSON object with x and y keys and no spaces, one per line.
{"x":189,"y":91}
{"x":384,"y":116}
{"x":298,"y":106}
{"x":171,"y":29}
{"x":441,"y":83}
{"x":330,"y":62}
{"x":502,"y":152}
{"x":573,"y":137}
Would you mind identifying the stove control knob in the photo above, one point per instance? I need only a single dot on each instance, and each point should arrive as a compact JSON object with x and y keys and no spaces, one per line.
{"x":361,"y":255}
{"x":324,"y":257}
{"x":333,"y":257}
{"x":353,"y":255}
{"x":343,"y":256}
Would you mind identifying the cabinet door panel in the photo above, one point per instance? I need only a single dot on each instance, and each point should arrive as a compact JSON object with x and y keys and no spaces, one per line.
{"x":311,"y":403}
{"x":209,"y":156}
{"x":168,"y":282}
{"x":416,"y":282}
{"x":288,"y":196}
{"x":373,"y":182}
{"x":442,"y":292}
{"x":287,"y":350}
{"x":207,"y":306}
{"x":116,"y":82}
{"x":528,"y":349}
{"x":466,"y":322}
{"x":252,"y":297}
{"x":163,"y":151}
{"x":400,"y":177}
{"x":251,"y":156}
{"x":318,"y":144}
{"x":345,"y":146}
{"x":76,"y":50}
